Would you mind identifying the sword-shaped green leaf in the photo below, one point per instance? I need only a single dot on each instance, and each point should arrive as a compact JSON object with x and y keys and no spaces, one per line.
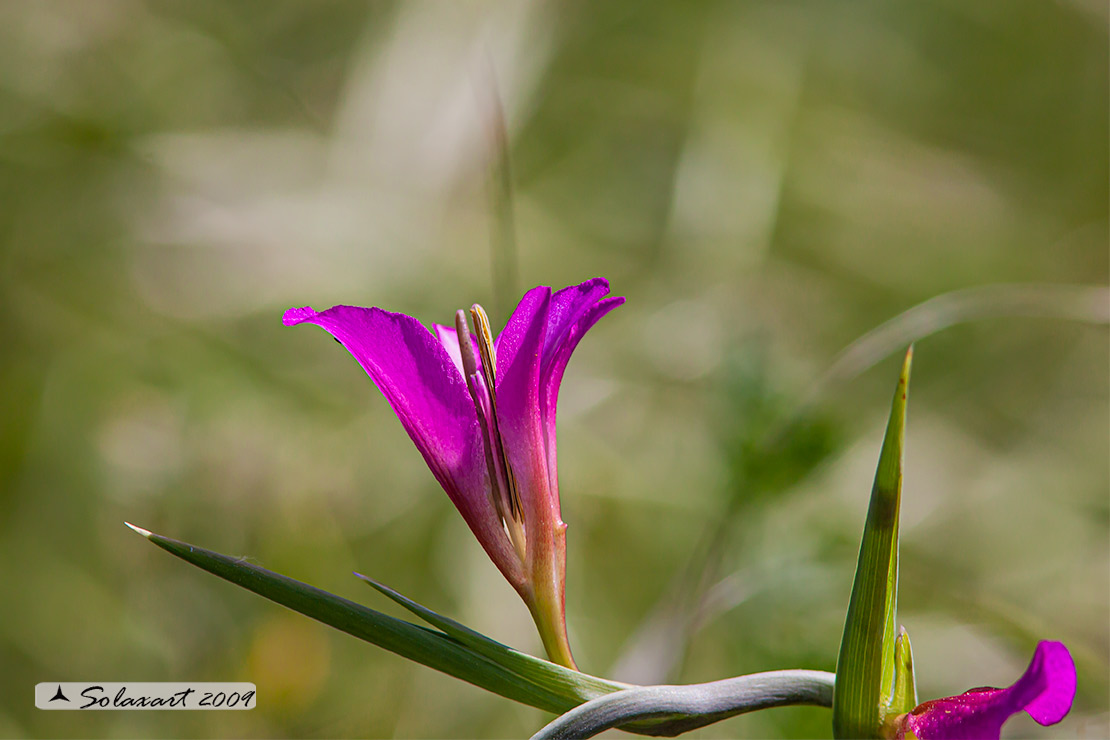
{"x":463,"y":653}
{"x":453,"y":649}
{"x":865,"y":667}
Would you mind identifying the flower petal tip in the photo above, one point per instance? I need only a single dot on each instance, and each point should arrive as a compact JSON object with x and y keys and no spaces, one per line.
{"x":594,"y":282}
{"x":295,"y":316}
{"x":1055,"y":664}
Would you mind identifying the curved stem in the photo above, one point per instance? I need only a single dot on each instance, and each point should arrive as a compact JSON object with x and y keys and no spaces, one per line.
{"x":672,"y":710}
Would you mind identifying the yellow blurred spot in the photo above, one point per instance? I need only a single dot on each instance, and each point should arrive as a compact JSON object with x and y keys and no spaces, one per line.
{"x":288,"y":660}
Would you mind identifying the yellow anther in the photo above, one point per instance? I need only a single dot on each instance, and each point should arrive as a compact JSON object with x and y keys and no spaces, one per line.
{"x":485,"y":346}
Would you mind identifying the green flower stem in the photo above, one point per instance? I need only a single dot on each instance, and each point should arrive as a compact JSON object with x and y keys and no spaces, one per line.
{"x":547,"y":597}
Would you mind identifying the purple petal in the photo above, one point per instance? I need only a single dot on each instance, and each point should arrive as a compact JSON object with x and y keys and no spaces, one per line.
{"x":567,"y":306}
{"x":1058,"y":668}
{"x":529,"y":314}
{"x":519,"y":350}
{"x":552,"y":374}
{"x":418,"y":378}
{"x":415,"y":374}
{"x":556,"y":363}
{"x":449,"y":338}
{"x":1045,"y":690}
{"x":547,"y":330}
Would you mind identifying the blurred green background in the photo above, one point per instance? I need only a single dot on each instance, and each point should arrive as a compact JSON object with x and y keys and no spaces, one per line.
{"x":765,"y":182}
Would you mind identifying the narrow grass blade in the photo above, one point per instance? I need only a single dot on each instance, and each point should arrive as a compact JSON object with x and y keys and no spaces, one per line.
{"x":865,"y":666}
{"x":432,"y":648}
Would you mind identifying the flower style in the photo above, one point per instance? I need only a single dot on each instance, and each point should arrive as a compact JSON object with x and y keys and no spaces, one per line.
{"x":482,"y":413}
{"x":1045,"y":691}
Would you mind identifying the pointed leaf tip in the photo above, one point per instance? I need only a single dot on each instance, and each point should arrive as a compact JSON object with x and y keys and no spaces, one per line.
{"x":904,"y":697}
{"x":144,"y":532}
{"x":907,"y":363}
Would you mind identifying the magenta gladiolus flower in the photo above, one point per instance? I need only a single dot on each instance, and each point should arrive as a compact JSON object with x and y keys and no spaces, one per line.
{"x":482,"y":413}
{"x":1045,"y":691}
